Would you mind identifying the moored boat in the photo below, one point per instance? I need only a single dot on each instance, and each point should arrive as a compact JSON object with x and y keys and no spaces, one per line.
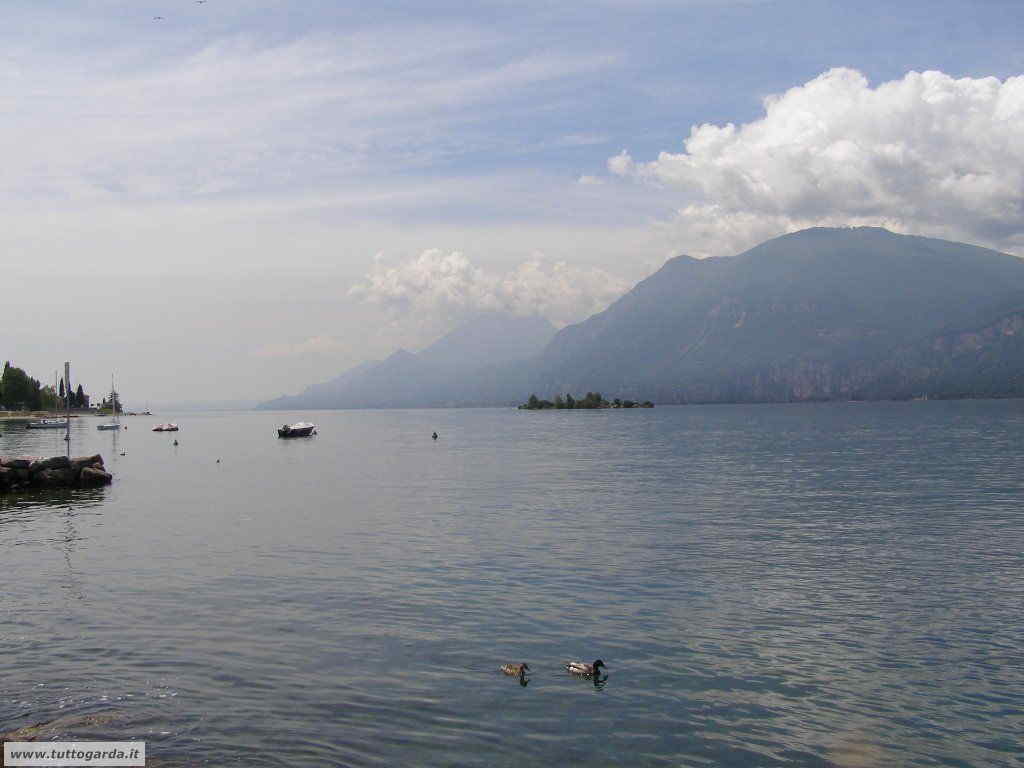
{"x":299,"y":429}
{"x":165,"y":428}
{"x":47,"y":424}
{"x":115,"y":423}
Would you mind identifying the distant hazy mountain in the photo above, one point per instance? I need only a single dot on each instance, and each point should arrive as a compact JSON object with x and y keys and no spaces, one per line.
{"x":819,"y":314}
{"x":483,"y":361}
{"x":816,"y":315}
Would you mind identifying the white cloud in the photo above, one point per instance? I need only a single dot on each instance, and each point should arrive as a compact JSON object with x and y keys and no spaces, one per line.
{"x":561,"y":292}
{"x":241,"y":116}
{"x":924,"y":154}
{"x":438,"y":284}
{"x":621,"y":164}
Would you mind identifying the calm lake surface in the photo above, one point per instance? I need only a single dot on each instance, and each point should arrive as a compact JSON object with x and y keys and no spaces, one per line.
{"x":805,"y":585}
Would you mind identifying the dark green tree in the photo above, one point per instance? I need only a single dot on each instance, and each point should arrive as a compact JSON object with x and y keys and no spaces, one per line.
{"x":20,"y":390}
{"x":47,"y":398}
{"x":79,"y":397}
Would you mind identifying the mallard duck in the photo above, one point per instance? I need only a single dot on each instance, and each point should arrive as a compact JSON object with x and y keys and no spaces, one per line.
{"x":515,"y":670}
{"x":583,"y":669}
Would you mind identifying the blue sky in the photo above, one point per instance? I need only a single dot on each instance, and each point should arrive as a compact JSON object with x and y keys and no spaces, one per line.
{"x":265,"y":193}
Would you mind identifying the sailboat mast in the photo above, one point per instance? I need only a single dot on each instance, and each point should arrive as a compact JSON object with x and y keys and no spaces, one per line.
{"x":67,"y":403}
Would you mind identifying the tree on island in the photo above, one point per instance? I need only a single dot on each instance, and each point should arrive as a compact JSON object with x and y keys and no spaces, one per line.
{"x":79,"y":397}
{"x":590,"y":401}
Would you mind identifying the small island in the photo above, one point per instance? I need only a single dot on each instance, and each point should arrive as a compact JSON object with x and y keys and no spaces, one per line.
{"x":590,"y":401}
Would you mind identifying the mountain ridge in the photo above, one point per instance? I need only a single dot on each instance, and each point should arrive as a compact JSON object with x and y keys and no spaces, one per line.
{"x":820,"y":314}
{"x":807,"y":315}
{"x":454,"y":370}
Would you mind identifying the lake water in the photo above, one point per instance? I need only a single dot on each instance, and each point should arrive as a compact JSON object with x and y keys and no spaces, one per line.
{"x":805,"y":585}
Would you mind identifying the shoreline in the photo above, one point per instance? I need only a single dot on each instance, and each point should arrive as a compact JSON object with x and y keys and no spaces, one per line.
{"x":32,"y":415}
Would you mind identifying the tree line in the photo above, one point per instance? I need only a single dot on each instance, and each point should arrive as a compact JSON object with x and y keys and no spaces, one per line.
{"x":589,"y":401}
{"x":19,"y":391}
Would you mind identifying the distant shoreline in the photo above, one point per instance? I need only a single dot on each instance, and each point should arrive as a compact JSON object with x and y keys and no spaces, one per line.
{"x":30,"y":415}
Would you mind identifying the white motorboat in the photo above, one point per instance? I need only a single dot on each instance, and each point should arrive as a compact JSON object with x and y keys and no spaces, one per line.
{"x":47,"y":424}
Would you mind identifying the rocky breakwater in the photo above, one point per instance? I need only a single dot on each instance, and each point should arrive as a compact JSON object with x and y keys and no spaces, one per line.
{"x":27,"y":472}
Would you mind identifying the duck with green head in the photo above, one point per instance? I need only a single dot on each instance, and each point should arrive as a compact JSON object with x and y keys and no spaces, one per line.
{"x":583,"y":669}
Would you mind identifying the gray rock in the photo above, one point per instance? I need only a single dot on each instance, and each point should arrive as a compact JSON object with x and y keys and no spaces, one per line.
{"x":79,"y":462}
{"x":61,"y":727}
{"x":54,"y":478}
{"x":54,"y":462}
{"x":92,"y":477}
{"x":8,"y":477}
{"x":21,"y":462}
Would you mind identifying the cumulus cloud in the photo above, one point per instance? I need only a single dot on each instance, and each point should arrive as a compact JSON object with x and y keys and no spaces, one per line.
{"x":448,"y":285}
{"x":928,"y":154}
{"x":621,"y":164}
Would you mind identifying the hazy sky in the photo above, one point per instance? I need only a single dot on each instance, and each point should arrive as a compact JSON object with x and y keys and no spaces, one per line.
{"x":243,"y":198}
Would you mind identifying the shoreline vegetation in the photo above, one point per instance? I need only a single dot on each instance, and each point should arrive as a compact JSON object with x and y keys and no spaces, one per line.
{"x":20,"y":392}
{"x":590,"y":401}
